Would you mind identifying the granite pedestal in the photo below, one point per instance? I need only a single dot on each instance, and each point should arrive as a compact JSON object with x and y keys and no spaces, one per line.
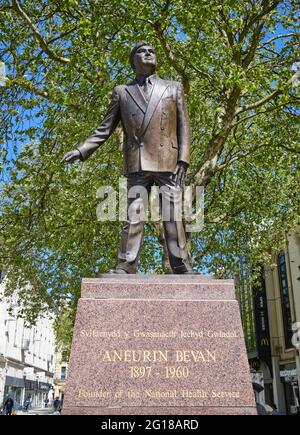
{"x":158,"y":344}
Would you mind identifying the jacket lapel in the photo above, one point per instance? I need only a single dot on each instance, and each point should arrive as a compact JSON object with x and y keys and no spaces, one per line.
{"x":137,"y":96}
{"x":157,"y":92}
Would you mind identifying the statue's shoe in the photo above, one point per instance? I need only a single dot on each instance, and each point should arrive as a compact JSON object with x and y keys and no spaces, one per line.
{"x":191,"y":272}
{"x":117,"y":270}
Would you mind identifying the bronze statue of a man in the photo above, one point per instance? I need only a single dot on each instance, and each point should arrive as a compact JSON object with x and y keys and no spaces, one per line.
{"x":156,"y":151}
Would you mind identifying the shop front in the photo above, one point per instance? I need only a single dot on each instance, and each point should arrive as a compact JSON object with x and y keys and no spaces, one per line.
{"x":288,"y":377}
{"x":15,"y":387}
{"x":36,"y":392}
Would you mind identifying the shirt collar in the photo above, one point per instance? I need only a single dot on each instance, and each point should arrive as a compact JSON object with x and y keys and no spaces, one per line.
{"x":141,"y":79}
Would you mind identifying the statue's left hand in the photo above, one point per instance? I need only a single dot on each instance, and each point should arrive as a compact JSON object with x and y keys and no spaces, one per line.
{"x":180,"y":173}
{"x":70,"y":156}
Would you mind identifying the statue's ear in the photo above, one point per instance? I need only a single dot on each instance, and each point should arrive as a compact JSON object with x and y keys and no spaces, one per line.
{"x":133,"y":66}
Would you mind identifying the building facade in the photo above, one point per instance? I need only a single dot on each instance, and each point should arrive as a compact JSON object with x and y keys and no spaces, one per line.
{"x":271,"y":322}
{"x":60,"y":374}
{"x":26,"y":358}
{"x":283,"y":298}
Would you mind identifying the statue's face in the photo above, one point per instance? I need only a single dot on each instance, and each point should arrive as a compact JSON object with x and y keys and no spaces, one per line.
{"x":144,"y":59}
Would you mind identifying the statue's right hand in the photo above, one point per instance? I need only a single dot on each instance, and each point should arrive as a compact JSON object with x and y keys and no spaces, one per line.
{"x":70,"y":156}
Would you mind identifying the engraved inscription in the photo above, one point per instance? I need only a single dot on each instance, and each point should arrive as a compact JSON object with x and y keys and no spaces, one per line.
{"x":160,"y":394}
{"x":173,"y":367}
{"x":131,"y":355}
{"x":172,"y":334}
{"x":156,"y":355}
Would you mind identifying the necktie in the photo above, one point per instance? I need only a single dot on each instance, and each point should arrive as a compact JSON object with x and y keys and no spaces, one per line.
{"x":147,"y":89}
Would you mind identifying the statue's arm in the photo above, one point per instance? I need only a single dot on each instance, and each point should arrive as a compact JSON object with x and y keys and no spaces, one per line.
{"x":100,"y":135}
{"x":183,"y":138}
{"x":183,"y":128}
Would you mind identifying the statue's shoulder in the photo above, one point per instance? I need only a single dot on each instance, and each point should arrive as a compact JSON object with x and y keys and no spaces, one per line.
{"x":172,"y":83}
{"x":119,"y":88}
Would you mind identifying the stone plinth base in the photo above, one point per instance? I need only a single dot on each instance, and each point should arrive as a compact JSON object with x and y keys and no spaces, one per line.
{"x":158,"y":344}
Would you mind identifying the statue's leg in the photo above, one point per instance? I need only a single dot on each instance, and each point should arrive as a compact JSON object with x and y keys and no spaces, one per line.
{"x":132,"y":231}
{"x":171,"y":204}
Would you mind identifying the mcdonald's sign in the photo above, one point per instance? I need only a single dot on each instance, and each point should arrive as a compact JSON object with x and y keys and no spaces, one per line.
{"x":262,"y":323}
{"x":264,"y":342}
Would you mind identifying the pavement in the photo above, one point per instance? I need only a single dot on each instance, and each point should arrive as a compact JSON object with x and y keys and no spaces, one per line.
{"x":37,"y":411}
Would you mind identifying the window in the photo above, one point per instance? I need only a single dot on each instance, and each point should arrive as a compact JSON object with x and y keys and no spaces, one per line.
{"x":63,"y":372}
{"x":285,"y":300}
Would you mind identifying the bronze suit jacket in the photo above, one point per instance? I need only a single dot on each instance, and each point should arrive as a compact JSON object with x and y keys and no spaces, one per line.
{"x":156,"y":133}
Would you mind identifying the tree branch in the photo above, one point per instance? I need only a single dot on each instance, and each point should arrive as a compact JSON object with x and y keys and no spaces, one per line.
{"x":62,"y":35}
{"x":44,"y":45}
{"x":201,"y":72}
{"x":170,"y":56}
{"x":29,"y":86}
{"x":267,"y":97}
{"x":288,"y":35}
{"x":259,"y":20}
{"x":258,"y":113}
{"x":239,"y":156}
{"x":208,"y":166}
{"x":253,"y":45}
{"x":267,"y":8}
{"x":265,"y":111}
{"x":224,"y":216}
{"x":226,"y":30}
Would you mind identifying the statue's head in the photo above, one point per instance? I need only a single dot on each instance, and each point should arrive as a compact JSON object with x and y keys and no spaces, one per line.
{"x":143,"y":58}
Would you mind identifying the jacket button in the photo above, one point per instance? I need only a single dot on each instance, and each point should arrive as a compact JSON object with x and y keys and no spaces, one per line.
{"x":162,"y":128}
{"x":161,"y":144}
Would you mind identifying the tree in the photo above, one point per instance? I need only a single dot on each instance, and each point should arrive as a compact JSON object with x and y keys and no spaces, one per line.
{"x":237,"y":61}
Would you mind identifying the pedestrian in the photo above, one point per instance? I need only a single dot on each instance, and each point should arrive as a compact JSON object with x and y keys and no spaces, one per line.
{"x":56,"y":404}
{"x":275,"y":410}
{"x":46,"y":401}
{"x":26,"y":404}
{"x":8,"y":405}
{"x":261,"y":410}
{"x":60,"y":406}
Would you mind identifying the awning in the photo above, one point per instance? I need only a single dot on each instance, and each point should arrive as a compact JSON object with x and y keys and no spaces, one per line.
{"x":10,"y":381}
